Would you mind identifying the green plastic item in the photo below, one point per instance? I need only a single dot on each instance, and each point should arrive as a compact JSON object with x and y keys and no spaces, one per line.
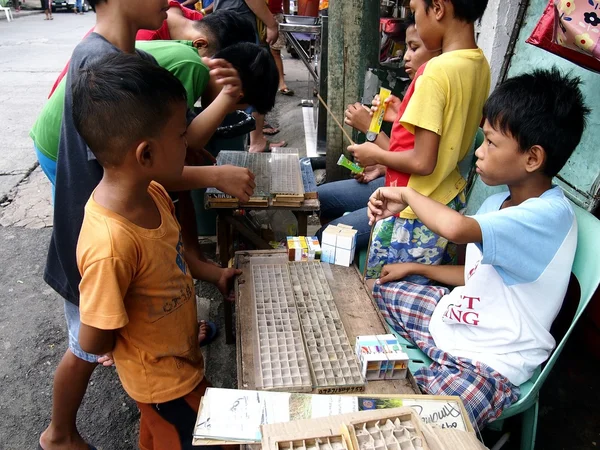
{"x":585,"y":269}
{"x":352,"y":166}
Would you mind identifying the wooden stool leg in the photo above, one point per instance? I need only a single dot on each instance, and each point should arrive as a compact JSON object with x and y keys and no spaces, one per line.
{"x":302,"y":218}
{"x":223,"y":242}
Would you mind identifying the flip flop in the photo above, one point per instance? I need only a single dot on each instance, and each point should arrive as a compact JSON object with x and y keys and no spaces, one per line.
{"x":286,"y":91}
{"x":269,"y":129}
{"x":212,"y":333}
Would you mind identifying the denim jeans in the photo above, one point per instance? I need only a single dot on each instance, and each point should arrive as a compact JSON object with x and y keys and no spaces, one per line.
{"x":348,"y":196}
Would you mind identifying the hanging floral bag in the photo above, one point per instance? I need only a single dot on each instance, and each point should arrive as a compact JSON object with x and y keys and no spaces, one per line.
{"x":571,"y":30}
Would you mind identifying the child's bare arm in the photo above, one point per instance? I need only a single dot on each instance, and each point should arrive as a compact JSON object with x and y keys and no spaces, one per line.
{"x":450,"y":275}
{"x":225,"y":80}
{"x":235,"y":181}
{"x":421,"y":160}
{"x":440,"y":219}
{"x":96,"y":341}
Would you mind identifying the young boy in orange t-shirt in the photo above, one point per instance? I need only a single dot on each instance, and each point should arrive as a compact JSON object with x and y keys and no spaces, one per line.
{"x":137,"y":296}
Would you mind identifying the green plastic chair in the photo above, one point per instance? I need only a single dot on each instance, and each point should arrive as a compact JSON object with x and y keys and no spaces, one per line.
{"x":586,"y":270}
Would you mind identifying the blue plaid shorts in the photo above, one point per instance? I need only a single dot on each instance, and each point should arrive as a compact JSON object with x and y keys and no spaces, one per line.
{"x":484,"y":391}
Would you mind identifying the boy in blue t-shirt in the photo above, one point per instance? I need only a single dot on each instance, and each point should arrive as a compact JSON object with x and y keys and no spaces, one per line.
{"x":489,"y":334}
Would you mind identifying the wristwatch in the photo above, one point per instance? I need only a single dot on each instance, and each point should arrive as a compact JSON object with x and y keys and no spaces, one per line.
{"x":371,"y":136}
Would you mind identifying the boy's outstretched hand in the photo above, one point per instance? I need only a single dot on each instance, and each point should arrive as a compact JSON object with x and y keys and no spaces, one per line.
{"x":236,"y":181}
{"x":385,"y":202}
{"x":226,"y":76}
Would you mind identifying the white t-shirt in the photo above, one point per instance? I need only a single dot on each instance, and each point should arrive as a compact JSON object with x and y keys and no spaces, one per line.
{"x":515,"y":283}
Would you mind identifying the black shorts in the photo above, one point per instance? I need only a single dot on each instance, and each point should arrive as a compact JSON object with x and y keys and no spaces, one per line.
{"x":45,"y":4}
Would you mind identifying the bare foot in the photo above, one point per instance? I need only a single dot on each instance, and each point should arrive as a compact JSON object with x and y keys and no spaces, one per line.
{"x":49,"y":441}
{"x":202,"y":331}
{"x":262,"y":145}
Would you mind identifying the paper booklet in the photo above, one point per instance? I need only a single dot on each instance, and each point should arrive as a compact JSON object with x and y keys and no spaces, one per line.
{"x":236,"y":415}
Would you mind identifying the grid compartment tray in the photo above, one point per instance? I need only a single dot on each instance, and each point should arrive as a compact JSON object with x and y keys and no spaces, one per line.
{"x":283,"y":364}
{"x":334,"y":366}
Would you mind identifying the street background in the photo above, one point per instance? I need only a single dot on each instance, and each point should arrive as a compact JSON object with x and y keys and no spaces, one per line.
{"x":32,"y":328}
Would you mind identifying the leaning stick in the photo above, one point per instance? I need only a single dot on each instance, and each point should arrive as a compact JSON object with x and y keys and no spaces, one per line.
{"x":335,"y":119}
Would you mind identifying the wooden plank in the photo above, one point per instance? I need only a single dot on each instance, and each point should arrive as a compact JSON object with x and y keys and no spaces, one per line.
{"x":357,"y":311}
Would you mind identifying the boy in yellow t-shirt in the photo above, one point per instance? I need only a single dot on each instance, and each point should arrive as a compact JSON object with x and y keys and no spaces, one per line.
{"x":444,"y":113}
{"x":137,"y":296}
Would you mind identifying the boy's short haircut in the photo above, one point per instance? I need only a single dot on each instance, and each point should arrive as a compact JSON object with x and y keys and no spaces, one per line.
{"x":410,"y":21}
{"x":93,"y":3}
{"x":466,"y":10}
{"x":227,"y":28}
{"x":120,"y":99}
{"x":544,"y":108}
{"x":258,"y":72}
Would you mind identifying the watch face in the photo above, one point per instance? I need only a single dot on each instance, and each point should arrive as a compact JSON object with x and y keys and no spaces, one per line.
{"x":371,"y":136}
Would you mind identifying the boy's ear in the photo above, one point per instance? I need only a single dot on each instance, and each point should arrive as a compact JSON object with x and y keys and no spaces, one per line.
{"x":439,"y":8}
{"x":200,"y":43}
{"x":536,"y":159}
{"x":144,"y":154}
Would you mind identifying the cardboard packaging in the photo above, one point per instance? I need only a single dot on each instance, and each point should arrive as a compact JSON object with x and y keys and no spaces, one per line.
{"x":301,"y":248}
{"x":381,"y":357}
{"x":338,"y":245}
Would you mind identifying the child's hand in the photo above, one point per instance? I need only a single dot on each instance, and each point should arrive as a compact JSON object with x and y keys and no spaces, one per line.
{"x":225,"y":282}
{"x":106,"y":360}
{"x":226,"y":76}
{"x":369,"y":174}
{"x":365,"y":154}
{"x":385,"y":202}
{"x":392,"y":104}
{"x":394,"y":272}
{"x":236,"y":181}
{"x":358,"y":116}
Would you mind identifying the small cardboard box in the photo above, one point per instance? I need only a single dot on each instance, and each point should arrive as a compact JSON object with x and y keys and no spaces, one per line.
{"x":381,"y":357}
{"x":314,"y":248}
{"x":297,"y":248}
{"x":328,"y":244}
{"x":345,"y":247}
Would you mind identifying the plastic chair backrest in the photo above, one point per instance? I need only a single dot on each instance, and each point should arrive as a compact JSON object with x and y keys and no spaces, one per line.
{"x":587,"y":271}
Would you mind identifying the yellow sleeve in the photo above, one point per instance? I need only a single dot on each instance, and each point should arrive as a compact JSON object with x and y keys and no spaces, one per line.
{"x":103,"y":286}
{"x":426,"y":107}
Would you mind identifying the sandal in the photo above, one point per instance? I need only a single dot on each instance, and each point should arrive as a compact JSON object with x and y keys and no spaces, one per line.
{"x":211,"y":332}
{"x":286,"y":91}
{"x":269,"y":129}
{"x":271,"y":145}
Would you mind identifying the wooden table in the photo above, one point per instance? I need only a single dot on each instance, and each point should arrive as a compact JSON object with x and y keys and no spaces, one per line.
{"x":359,"y":315}
{"x":227,"y":222}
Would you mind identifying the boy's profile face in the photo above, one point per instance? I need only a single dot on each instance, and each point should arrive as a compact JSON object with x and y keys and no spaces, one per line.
{"x":427,"y":25}
{"x":499,"y":159}
{"x":171,"y":145}
{"x":416,"y":53}
{"x":147,"y":14}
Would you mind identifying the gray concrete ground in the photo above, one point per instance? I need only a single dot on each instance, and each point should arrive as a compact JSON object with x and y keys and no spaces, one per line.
{"x":32,"y":330}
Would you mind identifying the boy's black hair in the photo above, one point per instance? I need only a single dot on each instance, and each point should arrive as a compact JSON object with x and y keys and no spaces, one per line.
{"x":258,"y":72}
{"x":93,"y":3}
{"x":410,"y":21}
{"x":544,"y":108}
{"x":466,"y":10}
{"x":227,"y":28}
{"x":122,"y":98}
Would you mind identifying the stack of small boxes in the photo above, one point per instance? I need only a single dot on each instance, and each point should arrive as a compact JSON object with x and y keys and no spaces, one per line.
{"x":338,"y":245}
{"x":381,"y":357}
{"x":303,"y":248}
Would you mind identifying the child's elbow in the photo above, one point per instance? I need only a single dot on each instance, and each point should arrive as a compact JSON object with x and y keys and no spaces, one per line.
{"x":424,"y":168}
